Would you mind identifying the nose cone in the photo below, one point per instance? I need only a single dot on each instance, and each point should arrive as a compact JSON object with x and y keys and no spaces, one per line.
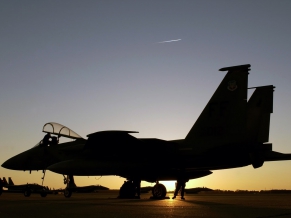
{"x":15,"y":163}
{"x":32,"y":159}
{"x":6,"y":164}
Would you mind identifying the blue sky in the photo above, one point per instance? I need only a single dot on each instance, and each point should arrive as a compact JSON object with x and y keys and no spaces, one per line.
{"x":97,"y":65}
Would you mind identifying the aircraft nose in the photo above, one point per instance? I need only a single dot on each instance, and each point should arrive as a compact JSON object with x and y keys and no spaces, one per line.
{"x":32,"y":159}
{"x":12,"y":163}
{"x":22,"y":161}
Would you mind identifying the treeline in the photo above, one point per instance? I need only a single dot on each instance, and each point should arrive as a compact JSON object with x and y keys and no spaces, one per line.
{"x":272,"y":191}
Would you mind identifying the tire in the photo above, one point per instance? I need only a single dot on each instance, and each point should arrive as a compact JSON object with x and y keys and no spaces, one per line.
{"x":43,"y":194}
{"x":67,"y":193}
{"x":27,"y":192}
{"x":159,"y":191}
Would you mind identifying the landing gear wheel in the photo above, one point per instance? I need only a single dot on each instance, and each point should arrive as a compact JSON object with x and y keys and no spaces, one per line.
{"x":127,"y":190}
{"x":43,"y":194}
{"x":27,"y":192}
{"x":159,"y":191}
{"x":1,"y":190}
{"x":67,"y":193}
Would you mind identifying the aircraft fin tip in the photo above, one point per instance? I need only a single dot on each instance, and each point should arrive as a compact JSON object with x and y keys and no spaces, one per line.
{"x":238,"y":67}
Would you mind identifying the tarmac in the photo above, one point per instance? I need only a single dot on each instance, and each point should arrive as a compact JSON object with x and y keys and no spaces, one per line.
{"x":105,"y":204}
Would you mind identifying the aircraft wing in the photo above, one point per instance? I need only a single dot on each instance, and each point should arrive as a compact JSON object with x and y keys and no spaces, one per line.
{"x":120,"y":145}
{"x":276,"y":156}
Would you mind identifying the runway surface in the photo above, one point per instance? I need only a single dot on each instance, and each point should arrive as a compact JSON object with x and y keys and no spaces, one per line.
{"x":105,"y":204}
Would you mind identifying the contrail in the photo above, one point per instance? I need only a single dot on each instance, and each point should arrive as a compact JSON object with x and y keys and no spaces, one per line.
{"x":174,"y":40}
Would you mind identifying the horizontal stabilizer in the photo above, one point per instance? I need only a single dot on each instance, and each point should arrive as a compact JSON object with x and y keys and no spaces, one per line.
{"x":276,"y":156}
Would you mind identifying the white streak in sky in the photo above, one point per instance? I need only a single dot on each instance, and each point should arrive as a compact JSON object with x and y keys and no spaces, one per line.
{"x":174,"y":40}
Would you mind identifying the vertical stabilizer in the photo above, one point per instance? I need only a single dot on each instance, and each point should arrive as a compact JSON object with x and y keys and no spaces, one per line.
{"x":260,"y":107}
{"x":5,"y":181}
{"x":223,"y":120}
{"x":10,"y":182}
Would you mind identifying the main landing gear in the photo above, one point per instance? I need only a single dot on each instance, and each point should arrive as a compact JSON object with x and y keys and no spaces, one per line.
{"x":130,"y":189}
{"x":159,"y":191}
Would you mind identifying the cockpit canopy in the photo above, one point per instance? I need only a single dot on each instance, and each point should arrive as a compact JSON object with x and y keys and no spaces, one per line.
{"x":60,"y":130}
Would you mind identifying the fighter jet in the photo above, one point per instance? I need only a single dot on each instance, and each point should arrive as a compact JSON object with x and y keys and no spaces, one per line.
{"x":72,"y":187}
{"x":230,"y":132}
{"x":26,"y":189}
{"x":197,"y":190}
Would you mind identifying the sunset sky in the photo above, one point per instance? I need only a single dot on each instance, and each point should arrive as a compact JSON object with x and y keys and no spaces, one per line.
{"x":147,"y":66}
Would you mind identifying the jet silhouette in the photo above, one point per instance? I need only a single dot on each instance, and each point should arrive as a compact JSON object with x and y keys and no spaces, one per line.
{"x":230,"y":132}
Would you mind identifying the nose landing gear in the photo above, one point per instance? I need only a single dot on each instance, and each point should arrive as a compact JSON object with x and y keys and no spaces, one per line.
{"x":69,"y":181}
{"x":159,"y":191}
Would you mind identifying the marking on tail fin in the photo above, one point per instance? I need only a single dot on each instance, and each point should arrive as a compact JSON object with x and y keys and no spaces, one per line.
{"x":232,"y":86}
